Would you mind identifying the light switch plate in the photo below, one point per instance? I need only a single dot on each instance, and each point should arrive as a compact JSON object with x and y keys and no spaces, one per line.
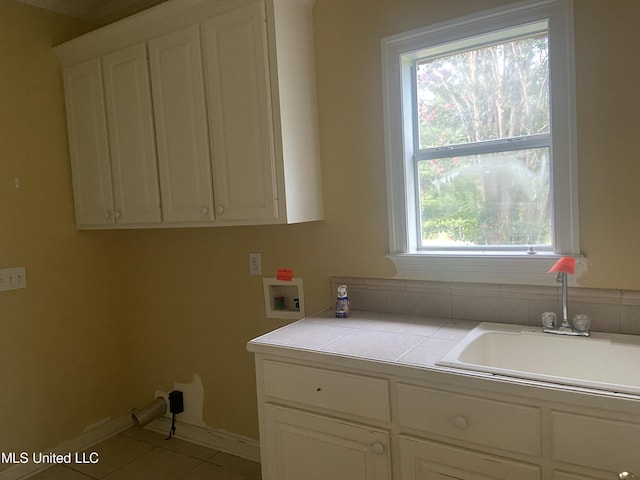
{"x":255,"y":264}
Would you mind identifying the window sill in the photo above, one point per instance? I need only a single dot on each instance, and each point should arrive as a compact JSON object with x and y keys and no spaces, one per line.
{"x":508,"y":268}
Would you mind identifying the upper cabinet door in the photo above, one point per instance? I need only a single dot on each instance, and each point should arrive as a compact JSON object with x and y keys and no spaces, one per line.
{"x":88,"y":143}
{"x":181,"y":126}
{"x":131,"y":136}
{"x":237,"y":83}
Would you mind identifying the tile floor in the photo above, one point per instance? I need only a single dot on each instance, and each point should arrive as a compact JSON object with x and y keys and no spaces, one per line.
{"x":146,"y":455}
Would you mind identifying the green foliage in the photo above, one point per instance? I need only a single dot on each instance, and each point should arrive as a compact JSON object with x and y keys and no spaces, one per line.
{"x":496,"y":92}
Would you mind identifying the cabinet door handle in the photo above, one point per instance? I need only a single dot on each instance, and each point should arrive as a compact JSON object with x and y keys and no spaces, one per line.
{"x":205,"y":210}
{"x":221,"y":209}
{"x":377,"y":448}
{"x":626,"y":476}
{"x":460,"y":423}
{"x":117,"y":214}
{"x":107,"y":214}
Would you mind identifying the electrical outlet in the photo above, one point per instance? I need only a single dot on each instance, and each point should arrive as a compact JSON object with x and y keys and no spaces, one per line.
{"x":255,"y":264}
{"x":18,"y":277}
{"x":13,"y":278}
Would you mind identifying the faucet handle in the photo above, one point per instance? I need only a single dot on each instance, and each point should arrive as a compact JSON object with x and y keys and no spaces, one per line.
{"x":548,"y":319}
{"x":626,"y":476}
{"x":582,"y":322}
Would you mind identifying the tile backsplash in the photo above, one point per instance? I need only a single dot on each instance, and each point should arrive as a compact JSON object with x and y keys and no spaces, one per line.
{"x":616,"y":311}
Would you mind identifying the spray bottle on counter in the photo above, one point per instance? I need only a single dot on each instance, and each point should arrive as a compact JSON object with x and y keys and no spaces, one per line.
{"x":343,"y":309}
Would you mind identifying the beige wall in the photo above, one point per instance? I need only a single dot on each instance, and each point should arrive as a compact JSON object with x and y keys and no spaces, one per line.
{"x":60,"y":339}
{"x":608,"y":147}
{"x":206,"y":327}
{"x":109,"y":317}
{"x":193,"y":306}
{"x":348,"y":44}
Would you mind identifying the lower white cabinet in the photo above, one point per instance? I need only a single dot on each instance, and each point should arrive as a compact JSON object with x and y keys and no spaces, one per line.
{"x":598,"y":444}
{"x":426,"y":460}
{"x":331,"y":421}
{"x":341,"y":392}
{"x":571,"y":476}
{"x":471,"y":419}
{"x":313,"y":447}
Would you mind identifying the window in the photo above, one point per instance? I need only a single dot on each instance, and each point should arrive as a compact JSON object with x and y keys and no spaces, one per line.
{"x":480,"y":144}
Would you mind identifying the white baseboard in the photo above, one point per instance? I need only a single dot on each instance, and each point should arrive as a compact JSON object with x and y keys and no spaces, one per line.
{"x":83,"y":441}
{"x":231,"y":443}
{"x":208,"y":437}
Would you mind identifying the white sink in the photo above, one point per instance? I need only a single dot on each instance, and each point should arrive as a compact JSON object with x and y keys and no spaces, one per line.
{"x":602,"y":361}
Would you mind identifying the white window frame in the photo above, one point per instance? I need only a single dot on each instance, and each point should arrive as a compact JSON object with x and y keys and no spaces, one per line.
{"x":482,"y":266}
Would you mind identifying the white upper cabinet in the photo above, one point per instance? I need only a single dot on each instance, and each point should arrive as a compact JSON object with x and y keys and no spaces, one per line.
{"x":131,"y":136}
{"x":295,"y":110}
{"x":181,"y":126}
{"x":210,"y":117}
{"x":240,"y":114}
{"x":88,"y":144}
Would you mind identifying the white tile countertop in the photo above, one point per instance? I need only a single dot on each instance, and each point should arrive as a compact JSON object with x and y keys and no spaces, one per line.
{"x":399,"y":344}
{"x":384,"y":337}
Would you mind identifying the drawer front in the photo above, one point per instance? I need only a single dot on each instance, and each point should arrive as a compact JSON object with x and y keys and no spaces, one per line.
{"x":425,"y":460}
{"x":485,"y":422}
{"x":601,"y":443}
{"x":341,"y":392}
{"x":575,"y":476}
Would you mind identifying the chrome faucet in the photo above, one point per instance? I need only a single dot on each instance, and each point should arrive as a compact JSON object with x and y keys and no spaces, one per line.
{"x":565,"y":327}
{"x":562,"y":278}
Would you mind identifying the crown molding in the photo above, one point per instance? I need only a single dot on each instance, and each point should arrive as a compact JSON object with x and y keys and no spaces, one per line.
{"x":98,"y":11}
{"x":84,"y":9}
{"x":107,"y":11}
{"x":103,"y":11}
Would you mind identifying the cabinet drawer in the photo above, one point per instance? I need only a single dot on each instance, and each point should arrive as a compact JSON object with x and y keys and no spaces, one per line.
{"x":422,"y":459}
{"x":341,"y":392}
{"x":489,"y":423}
{"x":601,"y":443}
{"x":573,"y":476}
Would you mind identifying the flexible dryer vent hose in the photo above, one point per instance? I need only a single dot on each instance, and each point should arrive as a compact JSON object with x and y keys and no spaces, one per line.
{"x":153,"y":410}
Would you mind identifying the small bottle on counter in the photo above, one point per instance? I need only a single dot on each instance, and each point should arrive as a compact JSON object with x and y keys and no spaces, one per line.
{"x":343,"y":309}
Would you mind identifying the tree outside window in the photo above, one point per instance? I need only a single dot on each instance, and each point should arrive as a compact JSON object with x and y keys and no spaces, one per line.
{"x":482,"y":122}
